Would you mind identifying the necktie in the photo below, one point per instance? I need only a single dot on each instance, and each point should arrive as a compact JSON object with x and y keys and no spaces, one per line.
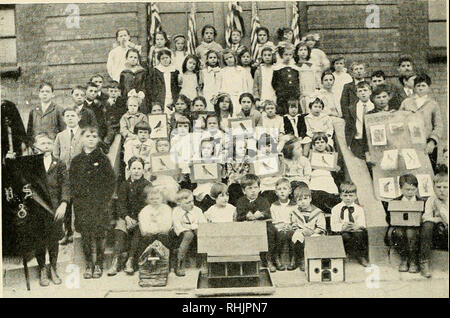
{"x":350,"y":209}
{"x":71,"y":135}
{"x":187,"y":219}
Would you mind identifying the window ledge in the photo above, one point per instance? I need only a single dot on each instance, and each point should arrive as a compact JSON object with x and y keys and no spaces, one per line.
{"x":437,"y":54}
{"x":10,"y":71}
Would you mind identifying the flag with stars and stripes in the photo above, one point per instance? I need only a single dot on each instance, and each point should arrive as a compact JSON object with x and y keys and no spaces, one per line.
{"x":234,"y":21}
{"x":295,"y":25}
{"x":154,"y":21}
{"x":192,"y":41}
{"x":255,"y":25}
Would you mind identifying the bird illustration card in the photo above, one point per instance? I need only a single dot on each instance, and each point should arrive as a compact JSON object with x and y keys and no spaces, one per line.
{"x":266,"y":166}
{"x":387,"y":187}
{"x":158,"y":125}
{"x":378,"y":134}
{"x":389,"y":160}
{"x":324,"y":160}
{"x":205,"y":172}
{"x":241,"y":126}
{"x":425,"y":185}
{"x":416,"y":133}
{"x":164,"y":164}
{"x":411,"y":159}
{"x":396,"y":128}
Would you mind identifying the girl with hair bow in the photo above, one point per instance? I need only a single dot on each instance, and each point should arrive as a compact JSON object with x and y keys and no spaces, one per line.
{"x":318,"y":57}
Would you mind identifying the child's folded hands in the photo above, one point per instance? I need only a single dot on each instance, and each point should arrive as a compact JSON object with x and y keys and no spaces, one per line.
{"x":258,"y":215}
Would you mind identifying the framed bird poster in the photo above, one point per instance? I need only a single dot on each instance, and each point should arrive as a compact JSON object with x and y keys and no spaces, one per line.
{"x":164,"y":164}
{"x":324,"y":160}
{"x":268,"y":166}
{"x":203,"y":172}
{"x":241,"y":126}
{"x":159,"y":126}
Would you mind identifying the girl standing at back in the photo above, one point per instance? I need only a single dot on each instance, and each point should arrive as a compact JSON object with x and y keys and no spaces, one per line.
{"x":262,"y":84}
{"x":189,"y":79}
{"x":161,"y":42}
{"x":318,"y":57}
{"x":210,"y":78}
{"x":235,"y":80}
{"x":262,"y":34}
{"x":309,"y":74}
{"x":179,"y":52}
{"x":244,"y":59}
{"x":134,"y":76}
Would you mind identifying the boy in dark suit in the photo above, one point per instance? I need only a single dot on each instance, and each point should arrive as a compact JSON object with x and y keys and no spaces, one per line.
{"x":47,"y":116}
{"x":98,"y":108}
{"x":253,"y":207}
{"x":58,"y":188}
{"x":354,"y":120}
{"x":98,"y":79}
{"x":405,"y":238}
{"x":116,"y":107}
{"x":349,"y":96}
{"x":86,"y":115}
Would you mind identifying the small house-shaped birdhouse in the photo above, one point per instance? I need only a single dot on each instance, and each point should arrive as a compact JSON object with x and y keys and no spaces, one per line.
{"x":324,"y":258}
{"x":232,"y":248}
{"x":406,"y":213}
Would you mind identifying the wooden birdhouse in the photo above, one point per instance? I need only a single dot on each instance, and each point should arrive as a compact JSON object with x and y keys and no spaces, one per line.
{"x":406,"y":213}
{"x":325,"y":258}
{"x":232,"y":248}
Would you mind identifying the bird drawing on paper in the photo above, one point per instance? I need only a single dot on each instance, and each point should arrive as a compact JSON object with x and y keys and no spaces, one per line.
{"x":386,"y":186}
{"x":425,"y":186}
{"x":266,"y":166}
{"x":206,"y":171}
{"x":325,"y":161}
{"x":157,"y":126}
{"x":163,"y":163}
{"x":243,"y":127}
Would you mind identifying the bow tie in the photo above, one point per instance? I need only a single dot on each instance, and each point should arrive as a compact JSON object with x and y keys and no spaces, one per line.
{"x":350,"y":209}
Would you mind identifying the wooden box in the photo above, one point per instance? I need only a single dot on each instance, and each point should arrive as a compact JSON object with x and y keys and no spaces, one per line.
{"x":325,"y":259}
{"x":406,"y":213}
{"x":233,"y":248}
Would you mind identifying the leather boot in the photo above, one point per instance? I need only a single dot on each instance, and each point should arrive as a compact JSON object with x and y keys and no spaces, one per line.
{"x":115,"y":267}
{"x":413,"y":268}
{"x":270,"y":265}
{"x":129,"y":266}
{"x":403,"y":267}
{"x":301,"y":264}
{"x":97,"y":272}
{"x":425,"y":269}
{"x":279,"y":265}
{"x":54,"y":276}
{"x":88,"y":272}
{"x":292,"y":265}
{"x":43,"y":277}
{"x":179,"y":270}
{"x":363,"y":261}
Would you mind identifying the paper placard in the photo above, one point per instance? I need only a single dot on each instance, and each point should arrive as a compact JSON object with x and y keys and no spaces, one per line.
{"x":387,"y":187}
{"x":158,"y":125}
{"x":425,"y":185}
{"x":266,"y":166}
{"x":416,"y":133}
{"x":378,"y":135}
{"x":241,"y":126}
{"x":164,"y":164}
{"x":205,"y":172}
{"x":411,"y":159}
{"x":324,"y":160}
{"x":390,"y":160}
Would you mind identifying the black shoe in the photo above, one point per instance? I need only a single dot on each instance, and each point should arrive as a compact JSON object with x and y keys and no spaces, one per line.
{"x":43,"y":277}
{"x":301,"y":265}
{"x":115,"y":267}
{"x":292,"y":266}
{"x":403,"y":267}
{"x":54,"y":276}
{"x":363,"y":261}
{"x":97,"y":272}
{"x":425,"y":269}
{"x":88,"y":272}
{"x":279,"y":266}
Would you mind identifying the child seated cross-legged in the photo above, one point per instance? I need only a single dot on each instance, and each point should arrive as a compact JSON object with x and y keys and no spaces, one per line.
{"x":186,"y":218}
{"x":222,"y":211}
{"x":348,"y":220}
{"x":252,"y":207}
{"x":434,"y":220}
{"x":130,"y":201}
{"x":281,"y":211}
{"x":307,"y":220}
{"x":405,"y":238}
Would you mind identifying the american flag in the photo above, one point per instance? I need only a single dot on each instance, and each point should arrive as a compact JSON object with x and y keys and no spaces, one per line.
{"x":295,"y":25}
{"x":154,"y":21}
{"x":192,"y":31}
{"x":234,"y":21}
{"x":255,"y":26}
